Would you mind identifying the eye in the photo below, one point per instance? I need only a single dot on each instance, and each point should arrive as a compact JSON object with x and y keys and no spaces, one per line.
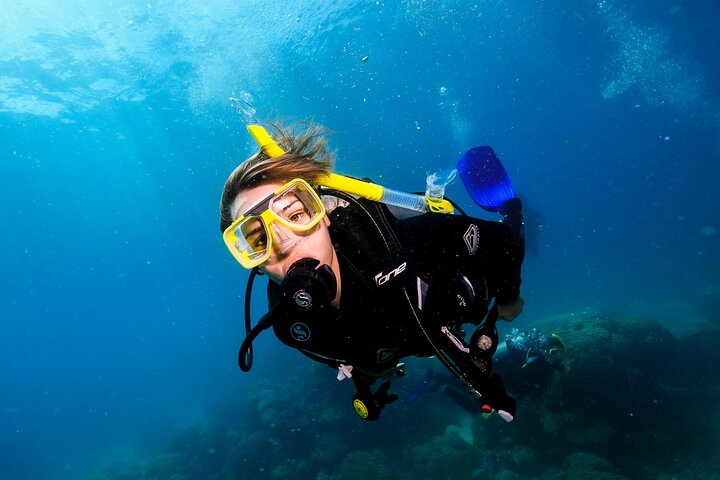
{"x":301,"y":216}
{"x":255,"y":234}
{"x":258,"y":242}
{"x":296,"y":212}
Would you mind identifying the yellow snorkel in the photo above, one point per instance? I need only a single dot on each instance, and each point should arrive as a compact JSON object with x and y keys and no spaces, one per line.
{"x":370,"y":191}
{"x":263,"y":138}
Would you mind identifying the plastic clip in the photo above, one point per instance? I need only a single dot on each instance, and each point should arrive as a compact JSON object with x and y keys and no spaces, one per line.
{"x":458,"y":343}
{"x":344,"y":371}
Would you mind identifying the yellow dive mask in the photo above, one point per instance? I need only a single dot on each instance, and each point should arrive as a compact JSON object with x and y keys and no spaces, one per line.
{"x":295,"y":206}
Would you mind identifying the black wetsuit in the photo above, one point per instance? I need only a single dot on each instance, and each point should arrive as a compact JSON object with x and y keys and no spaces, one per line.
{"x":413,"y":296}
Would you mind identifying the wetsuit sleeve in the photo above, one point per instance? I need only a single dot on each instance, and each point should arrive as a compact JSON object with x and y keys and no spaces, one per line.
{"x":486,"y":252}
{"x":510,"y":257}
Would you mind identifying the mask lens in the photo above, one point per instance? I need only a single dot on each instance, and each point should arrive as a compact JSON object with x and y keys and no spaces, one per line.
{"x":297,"y":207}
{"x":248,"y":241}
{"x":253,"y":236}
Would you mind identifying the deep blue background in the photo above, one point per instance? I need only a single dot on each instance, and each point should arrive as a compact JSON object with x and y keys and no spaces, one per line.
{"x":119,"y":306}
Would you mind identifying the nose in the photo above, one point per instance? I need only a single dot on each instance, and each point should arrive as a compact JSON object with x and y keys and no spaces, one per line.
{"x":284,"y":239}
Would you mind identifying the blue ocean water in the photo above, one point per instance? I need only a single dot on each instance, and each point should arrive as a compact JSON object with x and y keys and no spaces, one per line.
{"x":120,"y":308}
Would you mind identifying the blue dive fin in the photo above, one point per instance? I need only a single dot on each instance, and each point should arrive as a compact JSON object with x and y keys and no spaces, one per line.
{"x":425,"y":386}
{"x":485,"y":178}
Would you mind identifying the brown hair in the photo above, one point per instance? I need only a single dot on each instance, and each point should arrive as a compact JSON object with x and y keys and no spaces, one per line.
{"x":306,"y":156}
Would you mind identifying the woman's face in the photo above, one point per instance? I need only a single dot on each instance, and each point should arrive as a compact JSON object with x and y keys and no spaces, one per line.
{"x":314,"y":243}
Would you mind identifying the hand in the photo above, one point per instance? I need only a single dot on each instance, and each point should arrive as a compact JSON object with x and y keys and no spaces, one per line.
{"x":510,"y":311}
{"x":368,"y":406}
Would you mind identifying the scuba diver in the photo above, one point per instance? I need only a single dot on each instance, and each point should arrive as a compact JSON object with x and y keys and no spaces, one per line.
{"x":527,"y":360}
{"x":361,"y":276}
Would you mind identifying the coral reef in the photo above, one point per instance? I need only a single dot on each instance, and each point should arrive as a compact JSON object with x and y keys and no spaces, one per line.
{"x":362,"y":465}
{"x":628,"y":392}
{"x":609,"y":394}
{"x":586,"y":466}
{"x":443,"y":456}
